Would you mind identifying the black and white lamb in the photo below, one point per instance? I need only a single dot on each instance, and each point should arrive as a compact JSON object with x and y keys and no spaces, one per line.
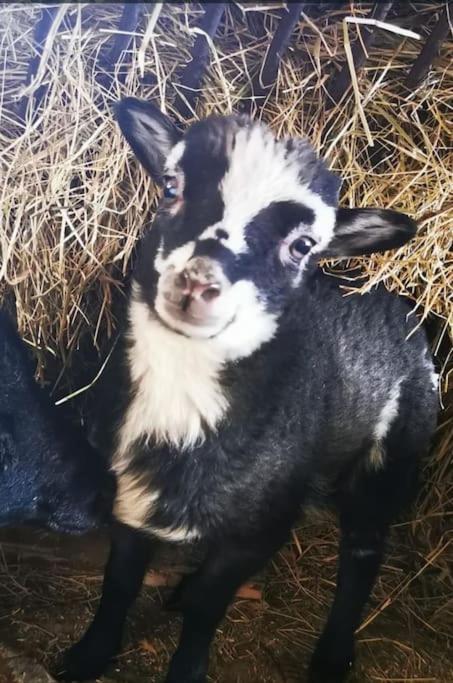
{"x":246,"y":385}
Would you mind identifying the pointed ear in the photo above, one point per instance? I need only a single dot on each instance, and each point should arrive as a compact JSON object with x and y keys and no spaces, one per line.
{"x":364,"y":231}
{"x":150,"y":133}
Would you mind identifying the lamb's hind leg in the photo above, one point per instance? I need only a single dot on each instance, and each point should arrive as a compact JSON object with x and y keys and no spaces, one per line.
{"x":129,"y":557}
{"x":367,"y":509}
{"x":360,"y":556}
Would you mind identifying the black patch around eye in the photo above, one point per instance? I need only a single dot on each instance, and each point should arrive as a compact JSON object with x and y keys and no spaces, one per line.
{"x":196,"y":216}
{"x":277,"y":220}
{"x":290,"y":214}
{"x":190,"y":222}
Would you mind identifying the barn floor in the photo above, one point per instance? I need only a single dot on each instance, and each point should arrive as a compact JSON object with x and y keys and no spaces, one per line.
{"x":46,"y":600}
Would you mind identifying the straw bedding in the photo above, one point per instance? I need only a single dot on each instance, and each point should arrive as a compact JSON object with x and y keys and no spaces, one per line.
{"x":73,"y":204}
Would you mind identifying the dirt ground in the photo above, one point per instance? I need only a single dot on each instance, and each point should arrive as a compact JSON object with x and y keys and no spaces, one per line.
{"x":49,"y":588}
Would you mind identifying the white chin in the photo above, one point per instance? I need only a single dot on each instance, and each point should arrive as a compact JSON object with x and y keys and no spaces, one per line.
{"x":195,"y":330}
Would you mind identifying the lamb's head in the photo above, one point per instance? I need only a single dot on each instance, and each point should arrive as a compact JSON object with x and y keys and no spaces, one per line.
{"x":242,"y":219}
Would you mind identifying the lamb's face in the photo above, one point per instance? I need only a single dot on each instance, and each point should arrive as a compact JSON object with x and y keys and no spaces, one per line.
{"x":242,"y":217}
{"x":239,"y":222}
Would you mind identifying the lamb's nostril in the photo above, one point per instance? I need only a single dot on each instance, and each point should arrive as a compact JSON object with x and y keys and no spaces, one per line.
{"x":211,"y":293}
{"x":190,"y":288}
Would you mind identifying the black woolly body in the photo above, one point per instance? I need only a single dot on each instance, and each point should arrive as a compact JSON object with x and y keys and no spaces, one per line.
{"x":304,"y":406}
{"x":302,"y":410}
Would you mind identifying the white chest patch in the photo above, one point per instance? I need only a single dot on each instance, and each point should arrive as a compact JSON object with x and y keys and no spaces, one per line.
{"x":176,"y":382}
{"x":177,"y":396}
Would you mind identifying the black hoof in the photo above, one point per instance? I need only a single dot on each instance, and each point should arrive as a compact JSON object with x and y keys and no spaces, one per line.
{"x":331,"y":663}
{"x":184,"y":669}
{"x":329,"y":671}
{"x":316,"y":675}
{"x":174,"y":678}
{"x":83,"y":663}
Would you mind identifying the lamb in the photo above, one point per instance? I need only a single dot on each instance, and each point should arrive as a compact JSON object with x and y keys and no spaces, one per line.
{"x":49,"y":475}
{"x":245,"y":385}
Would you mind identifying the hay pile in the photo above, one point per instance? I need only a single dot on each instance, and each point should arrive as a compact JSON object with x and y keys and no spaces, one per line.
{"x":72,"y":204}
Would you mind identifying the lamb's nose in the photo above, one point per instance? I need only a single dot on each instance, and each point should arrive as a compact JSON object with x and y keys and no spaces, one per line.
{"x":198,"y":287}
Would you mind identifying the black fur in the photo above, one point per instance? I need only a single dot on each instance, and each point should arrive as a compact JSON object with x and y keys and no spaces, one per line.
{"x":299,"y":429}
{"x":49,"y":475}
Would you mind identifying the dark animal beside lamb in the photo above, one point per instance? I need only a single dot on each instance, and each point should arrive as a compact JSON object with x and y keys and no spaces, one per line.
{"x":245,"y":385}
{"x":49,"y":475}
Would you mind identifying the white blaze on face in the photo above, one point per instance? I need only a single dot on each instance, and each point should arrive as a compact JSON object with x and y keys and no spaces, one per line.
{"x":261,"y":171}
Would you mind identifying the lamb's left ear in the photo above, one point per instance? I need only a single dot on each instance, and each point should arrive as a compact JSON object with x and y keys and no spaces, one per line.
{"x":149,"y":132}
{"x":359,"y":232}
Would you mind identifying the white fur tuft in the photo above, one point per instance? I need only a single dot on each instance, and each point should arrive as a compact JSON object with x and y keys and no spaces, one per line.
{"x":135,"y":499}
{"x":388,"y":412}
{"x":381,"y":429}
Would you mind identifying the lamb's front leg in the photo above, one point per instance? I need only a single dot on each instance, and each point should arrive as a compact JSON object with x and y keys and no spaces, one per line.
{"x":129,"y":557}
{"x":205,"y":596}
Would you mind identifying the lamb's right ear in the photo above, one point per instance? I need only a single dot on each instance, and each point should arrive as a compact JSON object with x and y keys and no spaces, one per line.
{"x":150,"y":133}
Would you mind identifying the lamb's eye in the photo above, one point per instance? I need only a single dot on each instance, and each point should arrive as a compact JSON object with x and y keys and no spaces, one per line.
{"x":171,"y":187}
{"x":300,"y":248}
